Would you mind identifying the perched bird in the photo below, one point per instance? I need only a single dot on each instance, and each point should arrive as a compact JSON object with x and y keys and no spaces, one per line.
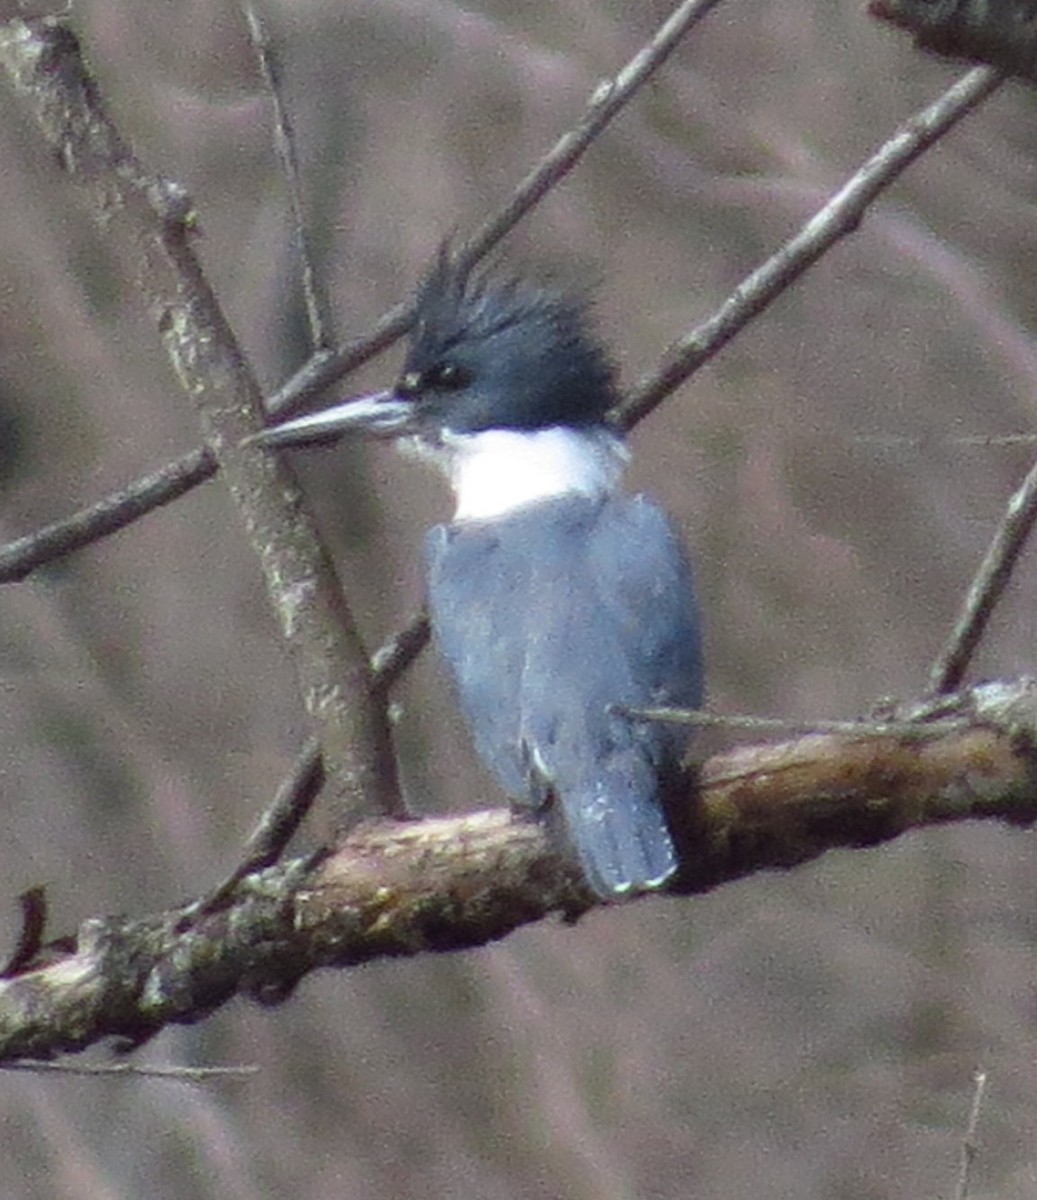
{"x":553,"y":596}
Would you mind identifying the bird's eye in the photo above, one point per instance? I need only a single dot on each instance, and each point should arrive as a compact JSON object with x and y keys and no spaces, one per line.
{"x":443,"y":377}
{"x":446,"y":377}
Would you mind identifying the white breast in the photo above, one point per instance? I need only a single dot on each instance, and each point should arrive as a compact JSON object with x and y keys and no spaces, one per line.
{"x":497,"y":471}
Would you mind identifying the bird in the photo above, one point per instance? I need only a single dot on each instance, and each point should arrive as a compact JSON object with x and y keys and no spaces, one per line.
{"x":555,"y":598}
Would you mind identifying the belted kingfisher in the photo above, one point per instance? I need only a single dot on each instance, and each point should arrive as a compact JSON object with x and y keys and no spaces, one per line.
{"x":553,"y":596}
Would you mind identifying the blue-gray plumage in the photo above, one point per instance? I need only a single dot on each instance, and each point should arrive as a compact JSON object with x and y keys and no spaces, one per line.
{"x":553,"y":597}
{"x":592,"y":597}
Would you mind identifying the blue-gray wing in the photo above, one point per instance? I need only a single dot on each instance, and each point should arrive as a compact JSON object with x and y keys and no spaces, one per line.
{"x":549,"y":617}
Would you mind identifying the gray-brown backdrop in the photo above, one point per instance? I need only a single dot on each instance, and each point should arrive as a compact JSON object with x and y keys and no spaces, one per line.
{"x":811,"y":1034}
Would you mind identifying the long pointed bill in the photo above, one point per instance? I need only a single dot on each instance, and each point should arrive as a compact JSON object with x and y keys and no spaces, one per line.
{"x":381,"y":414}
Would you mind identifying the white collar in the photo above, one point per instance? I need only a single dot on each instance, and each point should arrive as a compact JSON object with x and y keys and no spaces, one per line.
{"x":499,"y":470}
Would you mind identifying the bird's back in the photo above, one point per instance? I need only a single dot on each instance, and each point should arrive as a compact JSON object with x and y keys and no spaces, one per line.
{"x":548,"y":617}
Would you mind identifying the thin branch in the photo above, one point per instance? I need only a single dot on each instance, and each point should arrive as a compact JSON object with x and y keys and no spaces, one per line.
{"x":172,"y":1071}
{"x":284,"y":143}
{"x":985,"y":441}
{"x":838,"y":218}
{"x":610,"y":97}
{"x":276,"y":827}
{"x":699,"y":719}
{"x":117,"y":510}
{"x":403,"y":888}
{"x":987,"y":587}
{"x":399,"y":651}
{"x":969,"y":1145}
{"x":294,"y":798}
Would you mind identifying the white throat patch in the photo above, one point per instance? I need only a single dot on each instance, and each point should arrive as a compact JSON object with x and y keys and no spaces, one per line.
{"x":497,"y":471}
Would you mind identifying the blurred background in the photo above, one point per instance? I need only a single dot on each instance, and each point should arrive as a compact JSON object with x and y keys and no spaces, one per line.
{"x":811,"y":1034}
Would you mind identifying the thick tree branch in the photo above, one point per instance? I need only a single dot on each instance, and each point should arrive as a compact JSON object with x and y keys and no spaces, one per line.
{"x":404,"y":888}
{"x":155,"y":219}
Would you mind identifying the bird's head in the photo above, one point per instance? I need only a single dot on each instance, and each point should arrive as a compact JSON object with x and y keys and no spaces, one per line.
{"x":486,"y":353}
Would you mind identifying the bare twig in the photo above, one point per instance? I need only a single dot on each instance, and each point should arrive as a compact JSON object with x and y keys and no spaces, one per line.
{"x":395,"y":656}
{"x":294,"y":798}
{"x":117,"y":510}
{"x":969,"y":1146}
{"x":275,"y":828}
{"x":987,"y":587}
{"x":985,"y":441}
{"x":610,"y":97}
{"x":839,"y":217}
{"x":284,"y":142}
{"x":173,"y":1072}
{"x":406,"y":887}
{"x":865,"y":727}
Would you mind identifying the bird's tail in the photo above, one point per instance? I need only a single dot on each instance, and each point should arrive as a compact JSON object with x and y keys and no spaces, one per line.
{"x":620,"y":836}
